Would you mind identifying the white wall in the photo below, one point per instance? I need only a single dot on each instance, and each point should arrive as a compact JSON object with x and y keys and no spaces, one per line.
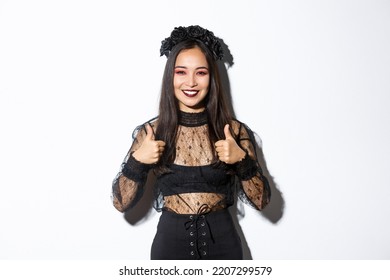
{"x":311,"y":78}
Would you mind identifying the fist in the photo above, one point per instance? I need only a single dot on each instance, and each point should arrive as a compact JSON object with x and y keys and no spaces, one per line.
{"x":150,"y":150}
{"x":228,"y":150}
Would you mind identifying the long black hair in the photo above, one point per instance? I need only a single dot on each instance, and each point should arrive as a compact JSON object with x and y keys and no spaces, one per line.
{"x":218,"y":112}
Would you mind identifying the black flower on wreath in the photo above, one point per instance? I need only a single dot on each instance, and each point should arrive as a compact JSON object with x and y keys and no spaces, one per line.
{"x":166,"y":47}
{"x":180,"y":34}
{"x":195,"y":31}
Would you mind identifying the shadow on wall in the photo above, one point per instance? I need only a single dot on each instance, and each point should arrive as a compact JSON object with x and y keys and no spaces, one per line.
{"x":273,"y":212}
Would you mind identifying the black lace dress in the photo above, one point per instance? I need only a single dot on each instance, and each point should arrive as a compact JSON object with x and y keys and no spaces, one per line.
{"x":196,"y":192}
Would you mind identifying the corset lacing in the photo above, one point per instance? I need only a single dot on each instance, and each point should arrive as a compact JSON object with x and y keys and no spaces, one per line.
{"x":198,"y":228}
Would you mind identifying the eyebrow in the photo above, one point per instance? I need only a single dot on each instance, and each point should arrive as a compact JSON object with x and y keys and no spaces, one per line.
{"x":197,"y":68}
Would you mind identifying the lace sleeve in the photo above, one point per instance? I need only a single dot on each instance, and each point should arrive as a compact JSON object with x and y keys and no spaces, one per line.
{"x":127,"y":186}
{"x":254,"y":188}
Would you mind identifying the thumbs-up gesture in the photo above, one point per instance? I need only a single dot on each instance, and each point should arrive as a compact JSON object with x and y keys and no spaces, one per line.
{"x":228,"y":150}
{"x":150,"y":150}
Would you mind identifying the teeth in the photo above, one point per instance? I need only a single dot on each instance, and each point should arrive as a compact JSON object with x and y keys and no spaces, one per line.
{"x":190,"y":92}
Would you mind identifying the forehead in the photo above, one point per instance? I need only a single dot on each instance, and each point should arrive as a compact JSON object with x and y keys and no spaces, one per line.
{"x":191,"y":57}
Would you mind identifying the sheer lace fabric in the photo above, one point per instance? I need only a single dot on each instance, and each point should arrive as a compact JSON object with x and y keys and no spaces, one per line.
{"x":127,"y":187}
{"x":194,"y":183}
{"x":193,"y":146}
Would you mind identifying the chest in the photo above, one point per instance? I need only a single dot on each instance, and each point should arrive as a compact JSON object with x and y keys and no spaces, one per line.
{"x":193,"y":147}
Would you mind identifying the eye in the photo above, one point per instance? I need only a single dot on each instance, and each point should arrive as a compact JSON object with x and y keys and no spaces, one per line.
{"x":180,"y":72}
{"x":202,"y":73}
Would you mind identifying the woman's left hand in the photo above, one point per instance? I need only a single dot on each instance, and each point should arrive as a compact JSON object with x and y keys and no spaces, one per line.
{"x":228,"y":150}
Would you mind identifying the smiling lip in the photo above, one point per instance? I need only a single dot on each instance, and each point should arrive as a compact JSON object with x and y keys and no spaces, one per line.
{"x":190,"y":93}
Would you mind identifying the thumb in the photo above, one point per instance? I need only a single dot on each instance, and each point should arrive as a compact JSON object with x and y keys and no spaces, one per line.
{"x":149,"y":132}
{"x":226,"y":130}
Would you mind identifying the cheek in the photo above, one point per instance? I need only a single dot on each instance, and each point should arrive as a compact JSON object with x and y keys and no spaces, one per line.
{"x":177,"y":82}
{"x":206,"y":83}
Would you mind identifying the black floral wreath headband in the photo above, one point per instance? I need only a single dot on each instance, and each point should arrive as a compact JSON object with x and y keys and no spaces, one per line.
{"x":180,"y":34}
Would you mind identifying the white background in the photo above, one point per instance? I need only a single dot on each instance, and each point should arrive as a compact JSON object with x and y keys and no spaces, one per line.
{"x":311,"y":78}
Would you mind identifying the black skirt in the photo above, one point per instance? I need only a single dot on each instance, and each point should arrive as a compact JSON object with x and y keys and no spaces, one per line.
{"x":210,"y":236}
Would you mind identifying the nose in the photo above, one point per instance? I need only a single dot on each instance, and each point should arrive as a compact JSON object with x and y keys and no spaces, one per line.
{"x":191,"y":82}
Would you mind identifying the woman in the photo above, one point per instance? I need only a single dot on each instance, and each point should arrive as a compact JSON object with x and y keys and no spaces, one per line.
{"x":197,"y":151}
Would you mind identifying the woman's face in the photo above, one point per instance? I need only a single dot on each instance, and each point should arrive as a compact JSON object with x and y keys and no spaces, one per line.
{"x":191,"y":80}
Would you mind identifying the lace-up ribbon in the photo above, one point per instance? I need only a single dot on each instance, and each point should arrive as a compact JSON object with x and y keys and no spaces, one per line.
{"x":195,"y":224}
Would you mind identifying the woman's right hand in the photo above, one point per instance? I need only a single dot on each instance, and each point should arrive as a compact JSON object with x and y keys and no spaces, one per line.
{"x":150,"y":150}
